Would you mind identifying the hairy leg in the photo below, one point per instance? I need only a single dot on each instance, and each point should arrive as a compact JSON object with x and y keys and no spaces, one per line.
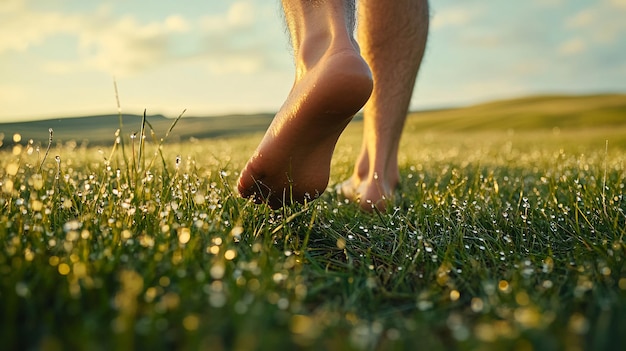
{"x":392,"y":36}
{"x":332,"y":83}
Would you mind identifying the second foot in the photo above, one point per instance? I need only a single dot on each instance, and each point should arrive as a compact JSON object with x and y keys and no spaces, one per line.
{"x":370,"y":194}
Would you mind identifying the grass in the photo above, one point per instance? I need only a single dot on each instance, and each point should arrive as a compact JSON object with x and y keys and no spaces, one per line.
{"x":498,"y":240}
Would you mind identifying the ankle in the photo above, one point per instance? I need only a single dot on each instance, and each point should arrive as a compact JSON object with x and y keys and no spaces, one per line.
{"x":321,"y":46}
{"x":384,"y":181}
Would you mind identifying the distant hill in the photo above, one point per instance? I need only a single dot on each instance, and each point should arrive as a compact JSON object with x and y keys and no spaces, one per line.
{"x":100,"y":130}
{"x":529,"y":113}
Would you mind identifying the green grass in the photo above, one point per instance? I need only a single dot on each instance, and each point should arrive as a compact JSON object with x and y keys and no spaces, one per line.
{"x":498,"y":240}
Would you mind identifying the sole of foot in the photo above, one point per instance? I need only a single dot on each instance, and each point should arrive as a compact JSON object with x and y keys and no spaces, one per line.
{"x":292,"y":162}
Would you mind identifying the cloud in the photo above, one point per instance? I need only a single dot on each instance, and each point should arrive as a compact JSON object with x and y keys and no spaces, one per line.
{"x":8,"y":6}
{"x":19,"y":30}
{"x":121,"y":47}
{"x":241,"y":42}
{"x":453,"y":17}
{"x":582,"y":19}
{"x":235,"y":64}
{"x":177,"y":23}
{"x":548,"y":3}
{"x":241,"y":14}
{"x":13,"y":93}
{"x":240,"y":39}
{"x":618,"y":3}
{"x":104,"y":42}
{"x":127,"y":46}
{"x":223,"y":56}
{"x":499,"y":87}
{"x":529,"y":67}
{"x":601,"y":23}
{"x":572,"y":47}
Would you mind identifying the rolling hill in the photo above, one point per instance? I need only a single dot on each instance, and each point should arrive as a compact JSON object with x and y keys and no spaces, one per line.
{"x":607,"y":111}
{"x":100,"y":130}
{"x":529,"y":113}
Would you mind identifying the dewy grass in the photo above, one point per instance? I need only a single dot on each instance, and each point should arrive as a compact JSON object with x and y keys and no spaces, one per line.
{"x":496,"y":242}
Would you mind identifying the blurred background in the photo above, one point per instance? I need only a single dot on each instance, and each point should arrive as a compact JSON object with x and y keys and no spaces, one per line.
{"x":58,"y":58}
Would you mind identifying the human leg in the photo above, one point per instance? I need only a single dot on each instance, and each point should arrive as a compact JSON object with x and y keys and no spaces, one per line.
{"x":392,"y":36}
{"x":332,"y":83}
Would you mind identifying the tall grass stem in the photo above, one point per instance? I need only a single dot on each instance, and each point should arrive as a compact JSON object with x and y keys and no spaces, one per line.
{"x":47,"y":149}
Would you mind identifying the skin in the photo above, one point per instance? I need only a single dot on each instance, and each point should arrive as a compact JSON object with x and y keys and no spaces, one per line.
{"x":333,"y":81}
{"x":392,"y":35}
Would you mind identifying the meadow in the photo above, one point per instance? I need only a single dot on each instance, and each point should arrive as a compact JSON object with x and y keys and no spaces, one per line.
{"x":507,"y":233}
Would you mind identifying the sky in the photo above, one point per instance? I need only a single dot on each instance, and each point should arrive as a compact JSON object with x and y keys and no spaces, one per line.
{"x":59,"y":58}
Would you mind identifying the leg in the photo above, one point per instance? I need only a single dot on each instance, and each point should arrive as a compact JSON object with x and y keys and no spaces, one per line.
{"x":392,"y":35}
{"x":332,"y":83}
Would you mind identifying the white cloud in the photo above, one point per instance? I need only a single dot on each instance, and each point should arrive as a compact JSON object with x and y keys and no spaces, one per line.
{"x":20,"y":30}
{"x":7,"y":6}
{"x":125,"y":46}
{"x":241,"y":14}
{"x":117,"y":46}
{"x":529,"y":67}
{"x":234,"y":64}
{"x":572,"y":47}
{"x":13,"y":93}
{"x":549,"y":3}
{"x":177,"y":23}
{"x":468,"y":92}
{"x":225,"y":57}
{"x":601,"y":23}
{"x":582,"y":19}
{"x":234,"y":41}
{"x":494,"y":88}
{"x":453,"y":17}
{"x":618,"y":3}
{"x":213,"y":23}
{"x":241,"y":41}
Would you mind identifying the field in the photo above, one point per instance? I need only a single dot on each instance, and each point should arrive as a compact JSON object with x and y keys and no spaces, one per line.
{"x":507,"y":233}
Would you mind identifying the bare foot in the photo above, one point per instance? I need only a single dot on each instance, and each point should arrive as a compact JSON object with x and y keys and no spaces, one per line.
{"x":292,"y":162}
{"x":369,"y":188}
{"x":369,"y":193}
